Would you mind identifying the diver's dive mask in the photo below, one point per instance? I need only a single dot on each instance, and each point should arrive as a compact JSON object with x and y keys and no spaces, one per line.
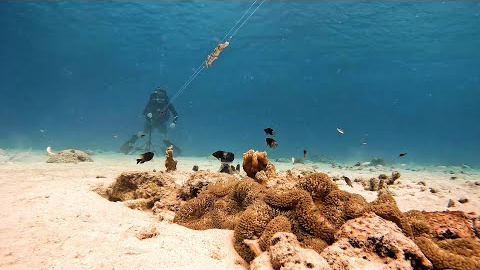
{"x":159,"y":96}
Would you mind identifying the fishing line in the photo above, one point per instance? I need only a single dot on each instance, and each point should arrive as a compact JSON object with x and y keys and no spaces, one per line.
{"x":247,"y":19}
{"x":195,"y":73}
{"x":223,"y":39}
{"x":202,"y":66}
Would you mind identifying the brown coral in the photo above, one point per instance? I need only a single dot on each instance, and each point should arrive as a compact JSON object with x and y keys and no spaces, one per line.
{"x":386,"y":207}
{"x":252,"y":223}
{"x":313,"y":208}
{"x":305,"y":211}
{"x":452,"y":256}
{"x":170,"y":164}
{"x":254,"y":161}
{"x":318,"y":185}
{"x":278,"y":224}
{"x":199,"y":180}
{"x":391,"y":179}
{"x":340,"y":206}
{"x":450,"y":224}
{"x":220,"y":205}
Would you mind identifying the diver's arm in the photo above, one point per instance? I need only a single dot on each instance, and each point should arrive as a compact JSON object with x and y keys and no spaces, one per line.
{"x":174,"y":112}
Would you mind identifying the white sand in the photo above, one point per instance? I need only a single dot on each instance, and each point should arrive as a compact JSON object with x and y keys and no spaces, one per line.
{"x":52,"y":219}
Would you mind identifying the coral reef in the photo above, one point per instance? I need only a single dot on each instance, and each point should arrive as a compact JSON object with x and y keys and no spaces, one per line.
{"x":199,"y":180}
{"x":318,"y":185}
{"x":386,"y":207}
{"x":452,"y":254}
{"x":170,"y":164}
{"x":317,"y":213}
{"x":370,"y":242}
{"x":340,"y":206}
{"x":70,"y":156}
{"x":141,"y":190}
{"x":285,"y":253}
{"x":451,"y":224}
{"x":254,"y":161}
{"x":220,"y":206}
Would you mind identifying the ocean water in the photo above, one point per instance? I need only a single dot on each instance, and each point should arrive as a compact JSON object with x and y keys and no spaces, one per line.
{"x":402,"y":76}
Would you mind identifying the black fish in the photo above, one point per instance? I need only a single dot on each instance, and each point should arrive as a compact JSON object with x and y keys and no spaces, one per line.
{"x":224,"y":156}
{"x":402,"y":154}
{"x":195,"y":168}
{"x":304,"y":153}
{"x":271,"y":142}
{"x":145,"y":157}
{"x":142,"y":136}
{"x":238,"y":167}
{"x":269,"y":131}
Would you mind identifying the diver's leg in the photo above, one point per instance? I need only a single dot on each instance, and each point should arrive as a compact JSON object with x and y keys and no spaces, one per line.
{"x":128,"y":145}
{"x":164,"y":131}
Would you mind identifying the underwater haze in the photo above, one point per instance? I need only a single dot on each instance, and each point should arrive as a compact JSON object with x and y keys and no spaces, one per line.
{"x":400,"y":76}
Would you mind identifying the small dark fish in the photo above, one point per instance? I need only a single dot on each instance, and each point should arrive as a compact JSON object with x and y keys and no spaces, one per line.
{"x":225,"y":168}
{"x":402,"y":154}
{"x":224,"y":156}
{"x":271,"y":142}
{"x":238,"y":167}
{"x":304,"y":153}
{"x":195,"y":168}
{"x":269,"y":131}
{"x":145,"y":157}
{"x":142,"y":136}
{"x":348,"y":181}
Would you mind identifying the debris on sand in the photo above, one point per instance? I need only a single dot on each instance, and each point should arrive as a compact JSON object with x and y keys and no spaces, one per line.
{"x":463,"y":200}
{"x":451,"y":203}
{"x":140,"y":190}
{"x":50,"y":152}
{"x":16,"y":156}
{"x":147,"y":232}
{"x":70,"y":156}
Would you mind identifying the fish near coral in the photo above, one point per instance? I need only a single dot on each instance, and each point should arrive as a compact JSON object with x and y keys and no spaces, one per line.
{"x":269,"y":131}
{"x":145,"y":157}
{"x":224,"y":156}
{"x":348,"y":181}
{"x":271,"y":142}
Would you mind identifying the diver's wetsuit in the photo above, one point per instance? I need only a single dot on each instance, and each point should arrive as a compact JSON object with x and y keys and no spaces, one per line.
{"x":156,"y":106}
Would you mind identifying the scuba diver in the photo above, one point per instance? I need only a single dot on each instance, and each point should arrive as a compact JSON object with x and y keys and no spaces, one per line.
{"x":156,"y":117}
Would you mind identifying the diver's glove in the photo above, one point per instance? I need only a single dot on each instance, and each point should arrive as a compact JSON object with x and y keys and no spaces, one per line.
{"x":149,"y":115}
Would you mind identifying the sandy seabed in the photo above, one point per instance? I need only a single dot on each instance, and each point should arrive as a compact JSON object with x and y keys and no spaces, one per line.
{"x":52,"y":218}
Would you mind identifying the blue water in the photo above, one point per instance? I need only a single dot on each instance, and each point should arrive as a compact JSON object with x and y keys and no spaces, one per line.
{"x":403,"y":76}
